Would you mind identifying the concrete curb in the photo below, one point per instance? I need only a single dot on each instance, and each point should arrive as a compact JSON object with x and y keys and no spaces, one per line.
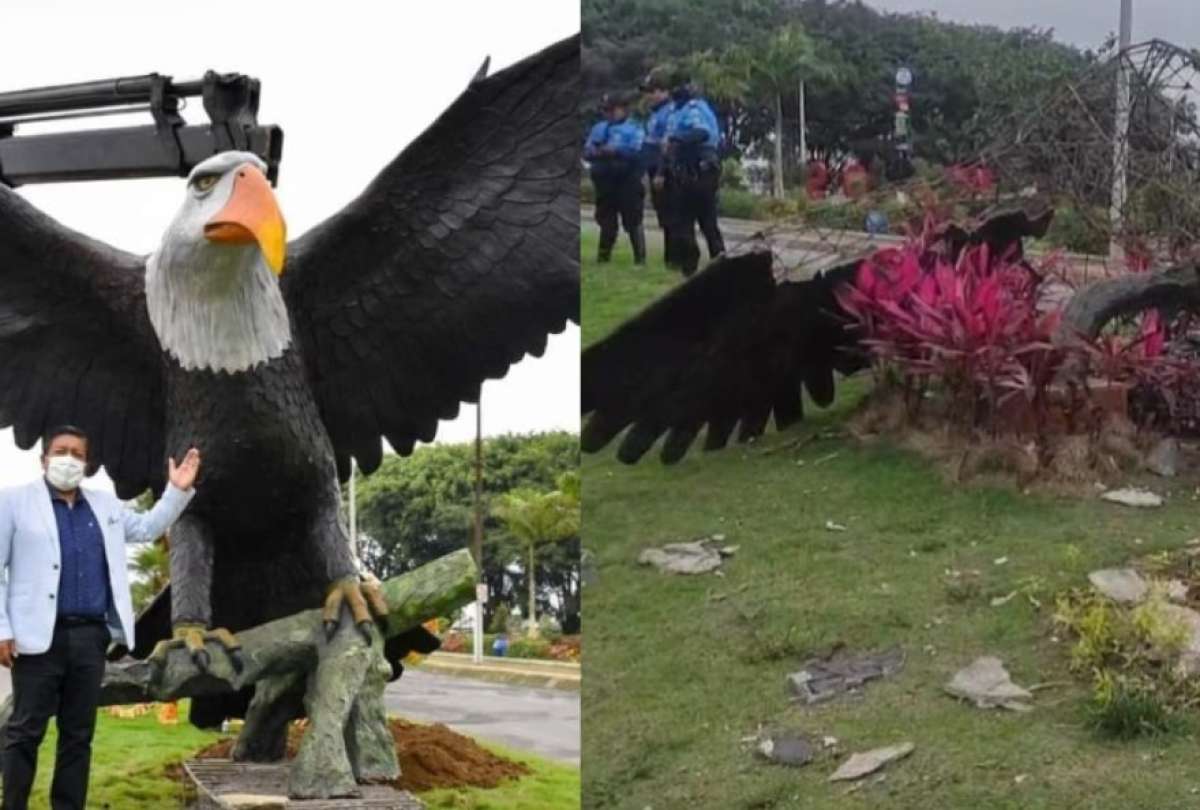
{"x":523,"y":672}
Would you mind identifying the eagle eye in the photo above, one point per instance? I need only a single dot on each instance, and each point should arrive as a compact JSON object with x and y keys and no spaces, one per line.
{"x":205,"y":182}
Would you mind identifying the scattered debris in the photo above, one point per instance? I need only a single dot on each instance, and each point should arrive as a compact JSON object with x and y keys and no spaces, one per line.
{"x":1123,"y":585}
{"x":697,"y":557}
{"x":793,"y":444}
{"x":1020,"y":778}
{"x":1163,"y":458}
{"x":787,"y":748}
{"x":1177,"y":591}
{"x":997,"y":601}
{"x":829,"y":457}
{"x":987,"y":684}
{"x":860,"y":765}
{"x":1000,"y":561}
{"x":1142,"y":498}
{"x":834,"y":527}
{"x":822,"y":679}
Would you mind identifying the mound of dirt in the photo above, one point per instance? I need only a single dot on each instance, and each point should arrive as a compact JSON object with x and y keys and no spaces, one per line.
{"x":430,"y":757}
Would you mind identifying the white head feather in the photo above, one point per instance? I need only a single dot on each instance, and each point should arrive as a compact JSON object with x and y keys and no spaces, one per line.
{"x":214,"y":306}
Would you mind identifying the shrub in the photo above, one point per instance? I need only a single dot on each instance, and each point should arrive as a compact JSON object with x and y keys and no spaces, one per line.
{"x":526,"y":647}
{"x":836,"y":216}
{"x":972,"y":326}
{"x":775,"y":208}
{"x":1125,"y":708}
{"x":733,"y":176}
{"x":1078,"y":232}
{"x":500,"y":619}
{"x":739,"y":204}
{"x":1130,"y":657}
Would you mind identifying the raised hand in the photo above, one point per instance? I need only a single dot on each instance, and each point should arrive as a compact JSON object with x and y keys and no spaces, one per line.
{"x":183,"y":475}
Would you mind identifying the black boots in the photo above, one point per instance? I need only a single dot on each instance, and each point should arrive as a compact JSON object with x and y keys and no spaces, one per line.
{"x":637,"y":238}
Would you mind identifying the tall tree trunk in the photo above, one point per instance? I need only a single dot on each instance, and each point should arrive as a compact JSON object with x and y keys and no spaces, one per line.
{"x":533,"y":625}
{"x":779,"y":145}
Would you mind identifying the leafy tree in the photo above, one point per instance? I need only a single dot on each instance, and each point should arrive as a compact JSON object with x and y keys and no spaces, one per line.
{"x":968,"y":77}
{"x":537,"y":519}
{"x":789,"y":56}
{"x":415,"y":509}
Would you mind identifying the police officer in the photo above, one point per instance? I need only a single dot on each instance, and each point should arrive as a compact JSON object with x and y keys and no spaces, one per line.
{"x":656,"y":89}
{"x":693,"y":175}
{"x":614,"y":151}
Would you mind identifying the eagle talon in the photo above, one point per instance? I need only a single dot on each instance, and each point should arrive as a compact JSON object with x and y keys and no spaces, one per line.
{"x":363,"y":599}
{"x":194,"y":638}
{"x":201,"y":660}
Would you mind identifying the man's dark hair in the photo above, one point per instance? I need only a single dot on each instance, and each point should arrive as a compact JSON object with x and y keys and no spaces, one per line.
{"x":63,"y":430}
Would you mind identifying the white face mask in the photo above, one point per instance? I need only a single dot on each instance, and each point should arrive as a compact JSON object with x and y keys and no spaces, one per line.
{"x":64,"y":472}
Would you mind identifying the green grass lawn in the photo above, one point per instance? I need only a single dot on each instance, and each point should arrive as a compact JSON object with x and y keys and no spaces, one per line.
{"x":681,"y":669}
{"x":130,"y":760}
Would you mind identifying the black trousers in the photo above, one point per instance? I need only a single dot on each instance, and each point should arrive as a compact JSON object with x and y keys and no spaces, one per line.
{"x":658,"y":198}
{"x":619,"y":197}
{"x":692,"y":200}
{"x":63,"y":682}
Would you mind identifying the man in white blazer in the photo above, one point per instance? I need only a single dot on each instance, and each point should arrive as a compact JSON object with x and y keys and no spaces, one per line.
{"x":64,"y":599}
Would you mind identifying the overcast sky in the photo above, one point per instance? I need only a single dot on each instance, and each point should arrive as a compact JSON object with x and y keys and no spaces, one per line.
{"x":351,"y":86}
{"x":1080,"y":22}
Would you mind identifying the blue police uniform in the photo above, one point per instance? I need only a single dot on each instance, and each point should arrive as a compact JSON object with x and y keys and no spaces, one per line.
{"x":614,"y":151}
{"x":693,"y":179}
{"x":652,"y":157}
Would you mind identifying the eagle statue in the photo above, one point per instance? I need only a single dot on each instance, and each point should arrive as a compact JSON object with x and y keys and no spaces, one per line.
{"x":734,"y":345}
{"x":286,"y":362}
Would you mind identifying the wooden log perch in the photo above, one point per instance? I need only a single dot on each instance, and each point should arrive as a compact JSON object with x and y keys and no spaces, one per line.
{"x":348,"y":741}
{"x":1093,"y":306}
{"x":294,"y":642}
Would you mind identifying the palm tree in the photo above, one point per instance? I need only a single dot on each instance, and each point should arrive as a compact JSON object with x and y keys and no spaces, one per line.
{"x":789,"y":57}
{"x":537,"y":518}
{"x":151,"y":564}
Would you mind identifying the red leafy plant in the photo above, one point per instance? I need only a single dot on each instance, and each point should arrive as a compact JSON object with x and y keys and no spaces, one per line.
{"x":970,"y":328}
{"x":969,"y":325}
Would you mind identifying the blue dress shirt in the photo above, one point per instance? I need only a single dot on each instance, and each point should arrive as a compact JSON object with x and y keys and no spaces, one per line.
{"x":83,"y":586}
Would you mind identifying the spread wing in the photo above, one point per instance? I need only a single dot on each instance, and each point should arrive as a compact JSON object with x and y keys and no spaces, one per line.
{"x":76,"y":345}
{"x":728,"y":348}
{"x":458,"y":259}
{"x":731,"y":347}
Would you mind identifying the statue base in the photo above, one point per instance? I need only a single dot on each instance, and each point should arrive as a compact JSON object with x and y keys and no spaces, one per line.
{"x":222,"y":784}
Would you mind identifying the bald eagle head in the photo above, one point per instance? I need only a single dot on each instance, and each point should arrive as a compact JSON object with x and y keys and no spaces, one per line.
{"x":212,"y":286}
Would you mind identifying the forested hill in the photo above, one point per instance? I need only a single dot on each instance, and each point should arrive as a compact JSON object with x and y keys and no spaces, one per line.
{"x":967,"y":77}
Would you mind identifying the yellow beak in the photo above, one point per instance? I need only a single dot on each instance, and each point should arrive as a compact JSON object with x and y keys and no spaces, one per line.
{"x":251,"y":215}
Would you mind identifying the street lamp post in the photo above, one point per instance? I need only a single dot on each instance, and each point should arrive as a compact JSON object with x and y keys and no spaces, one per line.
{"x":477,"y":538}
{"x":803,"y":129}
{"x":1120,"y":192}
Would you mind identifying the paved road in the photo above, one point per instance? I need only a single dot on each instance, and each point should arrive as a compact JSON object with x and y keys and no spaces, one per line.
{"x":803,"y":250}
{"x":541,"y":721}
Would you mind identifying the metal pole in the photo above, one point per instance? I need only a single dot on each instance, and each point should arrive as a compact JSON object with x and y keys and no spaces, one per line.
{"x":1121,"y":135}
{"x":803,"y":128}
{"x":477,"y":539}
{"x":353,"y":510}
